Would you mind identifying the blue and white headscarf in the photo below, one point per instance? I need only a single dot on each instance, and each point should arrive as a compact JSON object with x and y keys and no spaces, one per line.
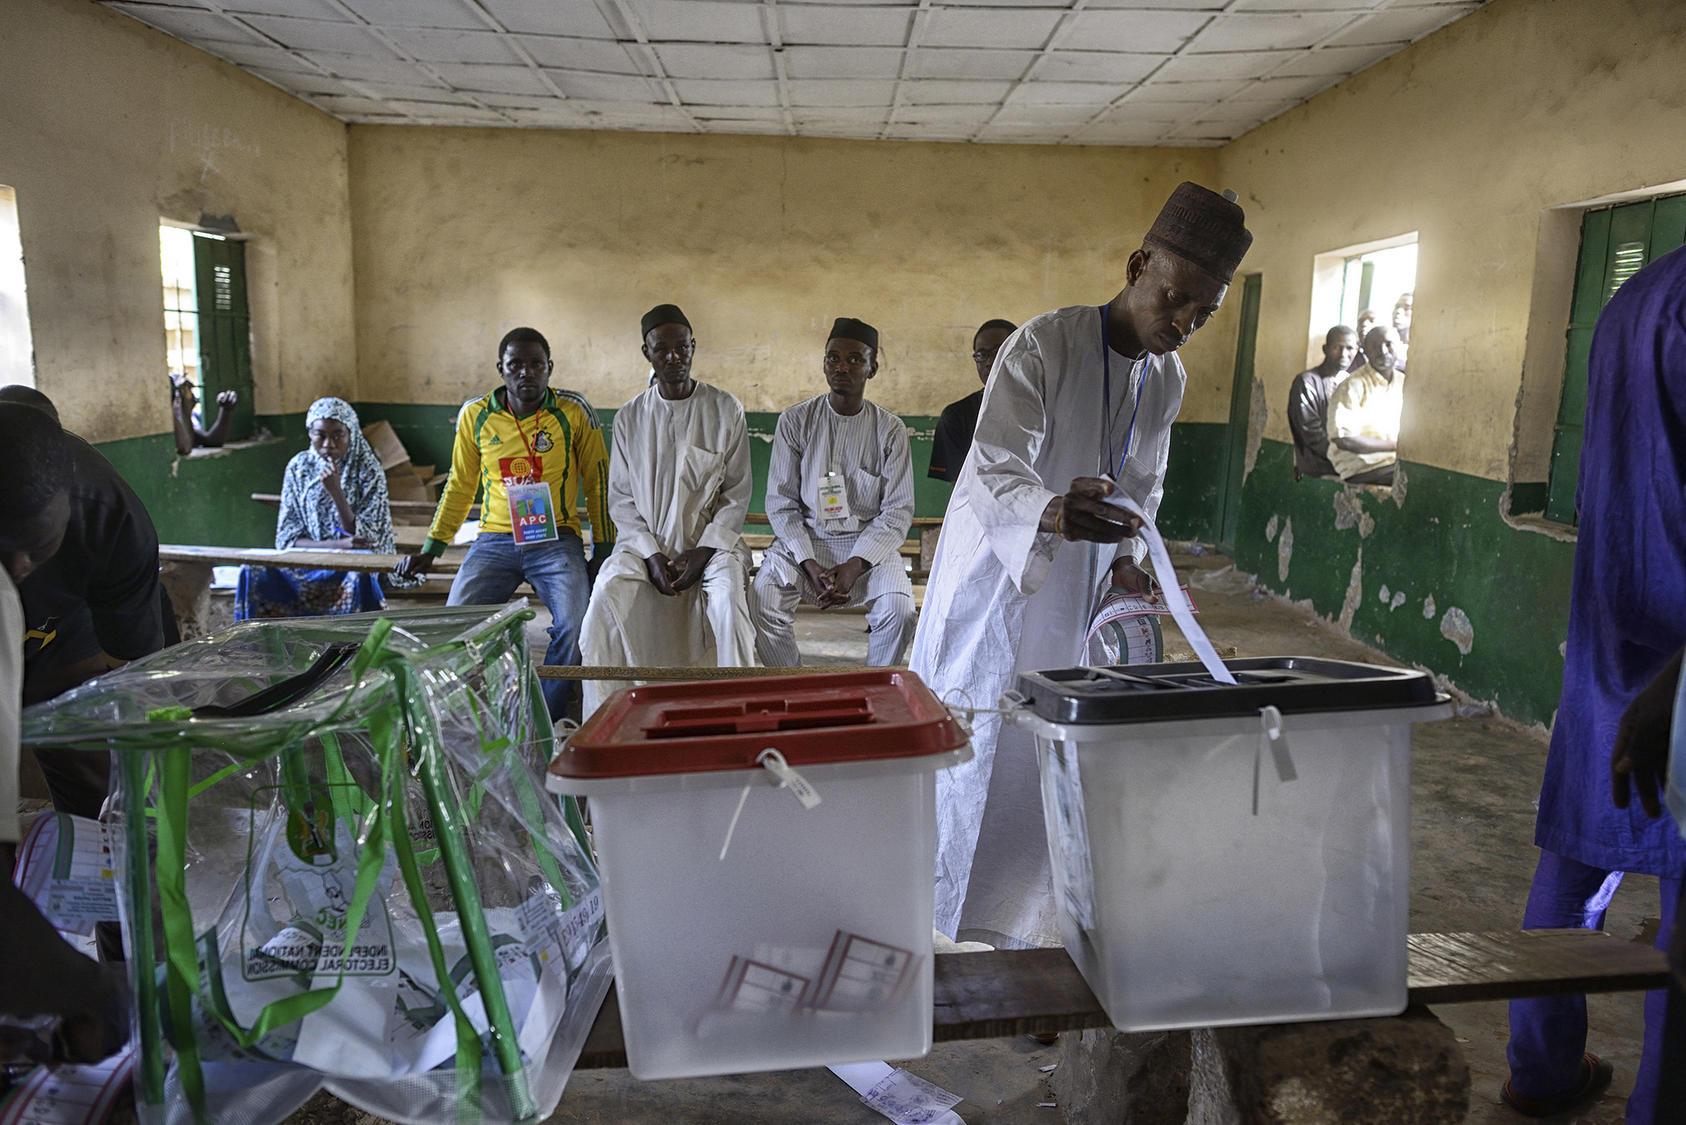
{"x":308,"y":512}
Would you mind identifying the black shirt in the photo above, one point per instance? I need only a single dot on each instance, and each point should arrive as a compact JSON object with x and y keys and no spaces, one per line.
{"x":100,"y":591}
{"x":953,"y":439}
{"x":1308,"y":403}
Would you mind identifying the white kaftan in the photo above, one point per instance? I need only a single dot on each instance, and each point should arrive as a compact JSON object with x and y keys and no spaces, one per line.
{"x":868,"y":454}
{"x":1006,"y":598}
{"x":679,"y":477}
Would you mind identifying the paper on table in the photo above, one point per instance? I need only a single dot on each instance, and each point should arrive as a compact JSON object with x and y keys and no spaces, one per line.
{"x":904,"y":1098}
{"x":1166,"y":574}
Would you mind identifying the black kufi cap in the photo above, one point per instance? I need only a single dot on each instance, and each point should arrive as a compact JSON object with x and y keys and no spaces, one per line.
{"x":1204,"y":228}
{"x":660,"y":315}
{"x":848,"y":328}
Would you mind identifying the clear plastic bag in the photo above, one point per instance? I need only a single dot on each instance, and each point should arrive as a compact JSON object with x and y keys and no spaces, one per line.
{"x":340,"y":868}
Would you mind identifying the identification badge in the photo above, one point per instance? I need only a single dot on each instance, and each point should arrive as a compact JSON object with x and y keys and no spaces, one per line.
{"x":531,"y":516}
{"x":834,"y":499}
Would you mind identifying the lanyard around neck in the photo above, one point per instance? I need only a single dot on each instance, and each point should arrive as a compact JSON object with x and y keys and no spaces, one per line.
{"x":531,"y":456}
{"x":1106,"y":404}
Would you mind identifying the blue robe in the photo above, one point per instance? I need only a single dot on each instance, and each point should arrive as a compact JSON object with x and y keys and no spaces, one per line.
{"x":1628,"y":603}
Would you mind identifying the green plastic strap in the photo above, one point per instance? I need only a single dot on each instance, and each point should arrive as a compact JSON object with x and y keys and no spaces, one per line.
{"x":181,"y":965}
{"x":135,"y":769}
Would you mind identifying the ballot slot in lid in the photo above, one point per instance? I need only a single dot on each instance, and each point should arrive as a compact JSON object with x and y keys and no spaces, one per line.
{"x":1139,"y":693}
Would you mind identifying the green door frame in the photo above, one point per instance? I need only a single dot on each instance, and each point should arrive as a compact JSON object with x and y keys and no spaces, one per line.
{"x":1240,"y":412}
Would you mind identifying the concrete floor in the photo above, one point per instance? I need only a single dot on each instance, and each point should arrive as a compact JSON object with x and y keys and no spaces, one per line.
{"x":1474,"y":784}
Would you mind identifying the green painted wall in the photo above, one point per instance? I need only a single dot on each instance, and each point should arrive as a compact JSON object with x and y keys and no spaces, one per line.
{"x":207,"y":498}
{"x":1443,"y":540}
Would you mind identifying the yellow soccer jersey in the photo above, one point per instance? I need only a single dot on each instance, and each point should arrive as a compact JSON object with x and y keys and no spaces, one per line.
{"x":558,"y":444}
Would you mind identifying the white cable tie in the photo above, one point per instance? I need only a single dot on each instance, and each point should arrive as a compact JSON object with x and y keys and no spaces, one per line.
{"x":773,"y":762}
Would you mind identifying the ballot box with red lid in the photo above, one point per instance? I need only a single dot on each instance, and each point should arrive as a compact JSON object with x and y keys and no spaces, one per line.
{"x":766,"y":849}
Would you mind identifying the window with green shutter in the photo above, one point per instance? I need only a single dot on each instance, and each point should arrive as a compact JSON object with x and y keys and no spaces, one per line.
{"x":1616,"y":243}
{"x":207,"y":323}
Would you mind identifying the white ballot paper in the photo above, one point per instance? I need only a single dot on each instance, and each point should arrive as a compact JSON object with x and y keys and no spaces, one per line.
{"x":1181,"y":611}
{"x":904,"y":1098}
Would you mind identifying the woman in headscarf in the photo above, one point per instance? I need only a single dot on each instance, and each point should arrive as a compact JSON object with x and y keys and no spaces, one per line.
{"x":332,"y":496}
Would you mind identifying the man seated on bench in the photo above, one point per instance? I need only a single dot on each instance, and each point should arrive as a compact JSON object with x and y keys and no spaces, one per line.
{"x":679,"y":485}
{"x":840,"y":500}
{"x":532,"y":449}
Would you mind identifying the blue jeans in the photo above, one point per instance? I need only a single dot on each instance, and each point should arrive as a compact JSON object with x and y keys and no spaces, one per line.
{"x":495,"y":566}
{"x":1548,"y":1033}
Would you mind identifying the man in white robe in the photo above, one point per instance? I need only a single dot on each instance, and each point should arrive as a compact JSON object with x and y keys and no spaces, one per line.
{"x":840,"y":499}
{"x":1029,"y":547}
{"x":673,"y":591}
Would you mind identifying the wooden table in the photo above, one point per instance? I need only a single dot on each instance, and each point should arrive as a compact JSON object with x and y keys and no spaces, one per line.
{"x":1003,"y":993}
{"x":298,"y":557}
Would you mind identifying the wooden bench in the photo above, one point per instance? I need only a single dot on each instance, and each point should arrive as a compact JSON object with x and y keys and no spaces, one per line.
{"x":313,"y":559}
{"x":992,"y":995}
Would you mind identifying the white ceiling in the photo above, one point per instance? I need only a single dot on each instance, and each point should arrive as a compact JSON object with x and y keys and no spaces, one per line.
{"x":1106,"y":72}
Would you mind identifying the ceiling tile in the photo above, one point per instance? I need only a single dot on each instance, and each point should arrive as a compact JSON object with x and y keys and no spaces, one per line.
{"x":188,"y":24}
{"x":741,"y":126}
{"x":1398,"y":25}
{"x":611,"y":115}
{"x":412,"y":91}
{"x":1096,"y":66}
{"x":351,"y":104}
{"x":1354,"y":6}
{"x":933,"y":133}
{"x":1157,"y":91}
{"x":842,"y":62}
{"x":1068,"y":116}
{"x":579,"y":54}
{"x":1289,"y":90}
{"x":453,"y":46}
{"x":517,"y":101}
{"x":948,"y":62}
{"x":1264,"y":31}
{"x":607,"y":87}
{"x":503,"y":79}
{"x":547,"y":17}
{"x":829,"y":25}
{"x":741,"y":113}
{"x":714,"y":60}
{"x":945,"y":116}
{"x":384,"y":67}
{"x":310,"y":9}
{"x":444,"y":111}
{"x":1232,"y":64}
{"x":413,"y":13}
{"x":1239,"y":113}
{"x":857,"y":114}
{"x":940,"y":92}
{"x":988,"y":27}
{"x":1092,"y":94}
{"x":710,"y":91}
{"x":843,"y":92}
{"x":699,"y":21}
{"x":1137,"y":31}
{"x":1329,"y":61}
{"x":270,"y":58}
{"x":302,"y":83}
{"x":319,"y":35}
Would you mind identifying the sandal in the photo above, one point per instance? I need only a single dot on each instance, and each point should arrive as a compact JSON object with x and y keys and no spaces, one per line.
{"x":1594,"y":1080}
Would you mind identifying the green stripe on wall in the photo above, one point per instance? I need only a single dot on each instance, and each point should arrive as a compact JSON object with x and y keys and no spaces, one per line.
{"x":1446,"y":541}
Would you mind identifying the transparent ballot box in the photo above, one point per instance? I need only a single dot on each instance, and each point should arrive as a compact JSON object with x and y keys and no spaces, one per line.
{"x":766,"y":849}
{"x":1231,"y":854}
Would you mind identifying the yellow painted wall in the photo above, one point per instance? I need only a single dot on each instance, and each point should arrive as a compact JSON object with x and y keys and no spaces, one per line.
{"x":106,"y":126}
{"x":1469,"y":138}
{"x":464,"y":233}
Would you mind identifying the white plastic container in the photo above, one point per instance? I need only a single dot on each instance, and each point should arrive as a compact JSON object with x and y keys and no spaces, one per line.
{"x":809,"y":943}
{"x":1211,"y":872}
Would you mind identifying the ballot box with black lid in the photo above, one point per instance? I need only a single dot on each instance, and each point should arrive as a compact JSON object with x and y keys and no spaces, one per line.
{"x":1231,"y":853}
{"x":766,"y":850}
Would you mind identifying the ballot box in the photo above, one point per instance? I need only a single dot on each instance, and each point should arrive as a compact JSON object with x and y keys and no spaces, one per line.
{"x":766,"y":848}
{"x":1231,"y":854}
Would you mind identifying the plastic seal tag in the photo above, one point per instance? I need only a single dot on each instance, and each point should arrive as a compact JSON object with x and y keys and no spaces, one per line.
{"x":1273,"y":735}
{"x":774,"y":763}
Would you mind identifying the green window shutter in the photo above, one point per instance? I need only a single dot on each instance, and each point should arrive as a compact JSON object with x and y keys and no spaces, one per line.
{"x":225,"y":328}
{"x":1616,"y":243}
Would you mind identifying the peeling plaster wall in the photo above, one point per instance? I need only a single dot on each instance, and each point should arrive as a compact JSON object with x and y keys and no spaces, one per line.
{"x":106,"y":126}
{"x":1517,"y":108}
{"x":464,"y":233}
